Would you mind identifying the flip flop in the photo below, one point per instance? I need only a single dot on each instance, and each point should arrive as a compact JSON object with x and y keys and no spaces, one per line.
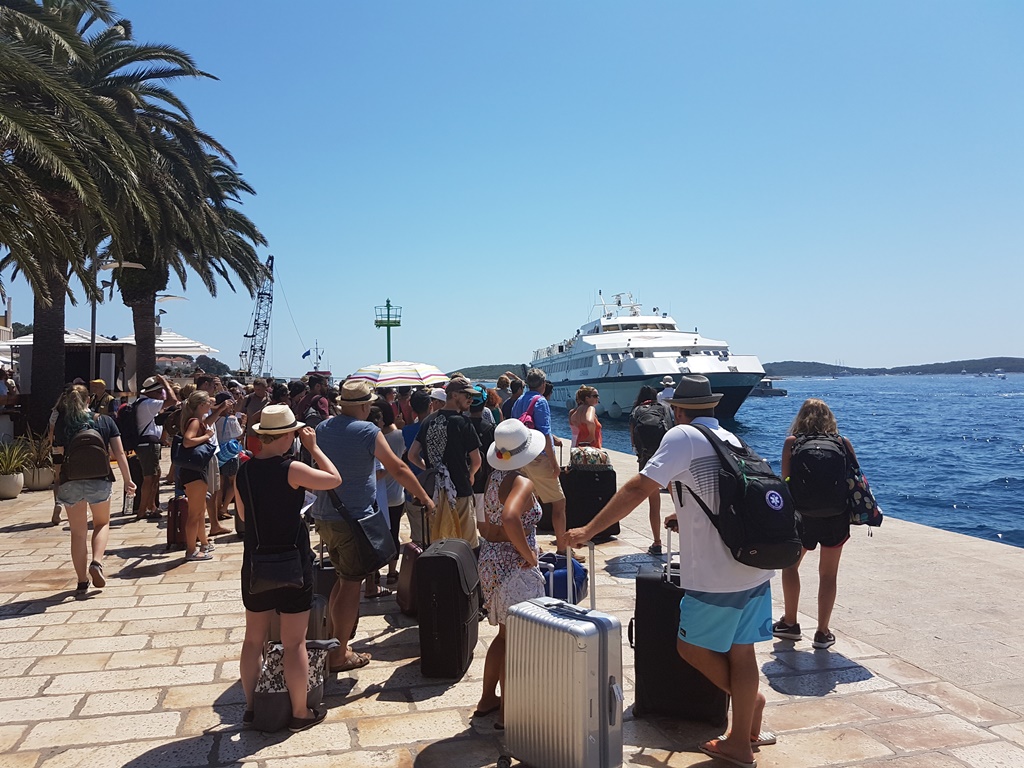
{"x":486,"y":712}
{"x":710,"y":751}
{"x":381,"y":592}
{"x":763,"y":739}
{"x":362,"y":659}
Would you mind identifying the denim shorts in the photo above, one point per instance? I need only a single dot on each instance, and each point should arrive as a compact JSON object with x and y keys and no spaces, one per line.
{"x":91,"y":491}
{"x":720,"y":620}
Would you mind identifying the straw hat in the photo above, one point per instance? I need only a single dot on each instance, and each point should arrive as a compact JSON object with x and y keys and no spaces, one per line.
{"x":151,"y":385}
{"x":515,"y":445}
{"x":694,"y":392}
{"x":356,"y":392}
{"x":277,"y":420}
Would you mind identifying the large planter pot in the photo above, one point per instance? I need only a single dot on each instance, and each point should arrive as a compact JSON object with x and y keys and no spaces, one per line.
{"x":38,"y":478}
{"x":11,"y":485}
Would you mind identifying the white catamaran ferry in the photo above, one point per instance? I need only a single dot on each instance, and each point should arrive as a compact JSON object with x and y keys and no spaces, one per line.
{"x":623,"y":350}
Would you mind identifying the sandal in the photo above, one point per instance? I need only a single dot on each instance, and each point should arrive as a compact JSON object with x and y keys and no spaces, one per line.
{"x":82,"y":588}
{"x":198,"y":555}
{"x":208,"y":547}
{"x":655,"y":549}
{"x":381,"y":592}
{"x":362,"y":659}
{"x":297,"y":724}
{"x":96,"y":573}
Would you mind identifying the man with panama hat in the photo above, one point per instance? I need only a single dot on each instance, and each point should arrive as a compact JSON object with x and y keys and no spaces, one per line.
{"x":726,"y":607}
{"x":352,"y":443}
{"x":155,"y":395}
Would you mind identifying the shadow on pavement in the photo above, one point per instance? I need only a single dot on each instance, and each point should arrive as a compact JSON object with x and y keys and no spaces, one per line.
{"x":811,"y":673}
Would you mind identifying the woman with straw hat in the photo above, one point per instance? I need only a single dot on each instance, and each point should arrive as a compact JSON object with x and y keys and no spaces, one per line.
{"x":508,"y":556}
{"x":270,"y":494}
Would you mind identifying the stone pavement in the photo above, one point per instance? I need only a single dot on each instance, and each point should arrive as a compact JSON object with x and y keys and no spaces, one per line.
{"x":928,"y":670}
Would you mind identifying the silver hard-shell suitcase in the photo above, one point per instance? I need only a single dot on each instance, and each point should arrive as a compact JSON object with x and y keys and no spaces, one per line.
{"x":563,"y":684}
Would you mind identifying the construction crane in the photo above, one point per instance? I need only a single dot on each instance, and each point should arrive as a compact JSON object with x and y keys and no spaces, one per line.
{"x":251,"y":360}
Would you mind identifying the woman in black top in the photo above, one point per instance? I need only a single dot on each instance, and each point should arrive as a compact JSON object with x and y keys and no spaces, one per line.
{"x":270,"y":491}
{"x":74,"y":416}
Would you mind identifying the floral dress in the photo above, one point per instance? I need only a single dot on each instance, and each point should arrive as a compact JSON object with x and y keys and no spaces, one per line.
{"x":503,"y":579}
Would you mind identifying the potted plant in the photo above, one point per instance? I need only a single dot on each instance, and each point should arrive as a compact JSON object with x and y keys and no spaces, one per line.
{"x":39,"y":470}
{"x":14,"y":457}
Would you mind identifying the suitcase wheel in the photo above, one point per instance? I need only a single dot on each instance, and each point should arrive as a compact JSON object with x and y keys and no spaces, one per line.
{"x":504,"y":762}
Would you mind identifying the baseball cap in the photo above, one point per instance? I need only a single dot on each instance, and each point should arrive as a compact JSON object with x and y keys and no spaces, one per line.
{"x":438,"y":394}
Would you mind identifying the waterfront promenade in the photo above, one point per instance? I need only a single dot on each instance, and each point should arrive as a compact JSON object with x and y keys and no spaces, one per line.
{"x":927,"y":672}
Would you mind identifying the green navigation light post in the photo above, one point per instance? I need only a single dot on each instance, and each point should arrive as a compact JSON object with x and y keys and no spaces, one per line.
{"x":388,"y":317}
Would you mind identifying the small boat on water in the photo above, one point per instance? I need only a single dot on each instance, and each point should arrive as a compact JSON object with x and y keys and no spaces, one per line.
{"x":766,"y":388}
{"x":624,"y":349}
{"x":1000,"y":373}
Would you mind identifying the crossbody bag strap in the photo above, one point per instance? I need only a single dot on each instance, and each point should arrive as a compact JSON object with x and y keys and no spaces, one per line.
{"x":339,"y":506}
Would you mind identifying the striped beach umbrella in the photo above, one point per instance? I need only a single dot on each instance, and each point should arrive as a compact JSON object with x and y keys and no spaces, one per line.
{"x":400,"y":373}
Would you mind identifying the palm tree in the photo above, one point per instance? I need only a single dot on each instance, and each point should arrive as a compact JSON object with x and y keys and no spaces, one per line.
{"x":70,"y":165}
{"x":189,"y":176}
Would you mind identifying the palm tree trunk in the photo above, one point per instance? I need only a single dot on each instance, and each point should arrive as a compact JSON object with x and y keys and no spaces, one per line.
{"x":47,"y":351}
{"x":143,"y":312}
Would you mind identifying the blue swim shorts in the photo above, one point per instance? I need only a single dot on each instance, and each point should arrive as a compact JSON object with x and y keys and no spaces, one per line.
{"x":91,"y":491}
{"x":719,"y":620}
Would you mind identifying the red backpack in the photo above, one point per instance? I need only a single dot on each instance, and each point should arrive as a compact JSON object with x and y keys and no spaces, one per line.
{"x":527,"y":416}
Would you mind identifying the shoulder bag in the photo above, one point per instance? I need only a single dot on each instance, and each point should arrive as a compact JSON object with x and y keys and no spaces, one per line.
{"x":861,"y":502}
{"x":280,"y":569}
{"x":373,"y":539}
{"x":197,"y":457}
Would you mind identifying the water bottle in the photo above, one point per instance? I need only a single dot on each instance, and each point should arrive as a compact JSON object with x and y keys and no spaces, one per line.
{"x":128,"y":507}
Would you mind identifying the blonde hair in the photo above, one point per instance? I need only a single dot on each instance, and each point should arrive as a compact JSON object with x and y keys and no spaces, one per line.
{"x":583,"y":393}
{"x":185,"y":391}
{"x":74,"y":404}
{"x":196,"y":401}
{"x":814,"y":418}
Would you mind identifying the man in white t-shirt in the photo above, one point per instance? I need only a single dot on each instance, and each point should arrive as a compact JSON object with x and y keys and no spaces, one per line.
{"x":727,"y":605}
{"x":155,"y":395}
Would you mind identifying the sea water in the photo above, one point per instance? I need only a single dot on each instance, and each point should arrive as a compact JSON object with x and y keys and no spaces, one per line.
{"x":945,"y":451}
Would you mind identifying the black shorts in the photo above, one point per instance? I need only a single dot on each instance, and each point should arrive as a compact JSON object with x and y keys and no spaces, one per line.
{"x":187,"y":475}
{"x":830,"y":532}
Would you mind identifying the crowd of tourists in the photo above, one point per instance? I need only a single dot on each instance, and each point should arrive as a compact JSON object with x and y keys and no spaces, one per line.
{"x":287,"y":453}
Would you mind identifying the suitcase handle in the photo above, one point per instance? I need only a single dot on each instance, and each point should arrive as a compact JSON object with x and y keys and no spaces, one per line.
{"x":668,"y":564}
{"x":629,"y":633}
{"x":615,"y":699}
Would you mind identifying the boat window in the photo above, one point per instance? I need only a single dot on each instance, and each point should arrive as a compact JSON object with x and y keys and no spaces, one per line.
{"x":608,"y":328}
{"x":638,"y":353}
{"x":631,"y":327}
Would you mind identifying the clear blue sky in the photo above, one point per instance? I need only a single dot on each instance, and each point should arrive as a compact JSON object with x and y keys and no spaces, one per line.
{"x":807,"y":180}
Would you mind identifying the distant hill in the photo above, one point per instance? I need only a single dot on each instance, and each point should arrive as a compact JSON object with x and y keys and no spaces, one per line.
{"x":792,"y":368}
{"x":492,"y":372}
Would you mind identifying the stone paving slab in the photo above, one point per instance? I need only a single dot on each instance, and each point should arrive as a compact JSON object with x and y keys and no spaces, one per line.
{"x":927,"y":671}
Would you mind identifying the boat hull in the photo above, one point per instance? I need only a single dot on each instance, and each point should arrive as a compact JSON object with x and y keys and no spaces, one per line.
{"x":619,"y":393}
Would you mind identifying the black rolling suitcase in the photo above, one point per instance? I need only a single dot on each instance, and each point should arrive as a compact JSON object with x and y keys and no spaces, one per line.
{"x":586,"y":492}
{"x":665,"y":684}
{"x":448,"y":604}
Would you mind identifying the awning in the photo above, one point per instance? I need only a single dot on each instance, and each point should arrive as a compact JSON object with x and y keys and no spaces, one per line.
{"x":170,"y":343}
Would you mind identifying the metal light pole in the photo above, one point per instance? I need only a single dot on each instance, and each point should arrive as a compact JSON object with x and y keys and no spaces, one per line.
{"x":388,"y":317}
{"x":96,"y":267}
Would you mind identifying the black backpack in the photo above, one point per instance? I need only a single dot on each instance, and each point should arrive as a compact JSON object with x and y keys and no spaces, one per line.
{"x":818,"y":475}
{"x":650,"y":423}
{"x":86,"y":457}
{"x":128,"y":426}
{"x":756,"y":517}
